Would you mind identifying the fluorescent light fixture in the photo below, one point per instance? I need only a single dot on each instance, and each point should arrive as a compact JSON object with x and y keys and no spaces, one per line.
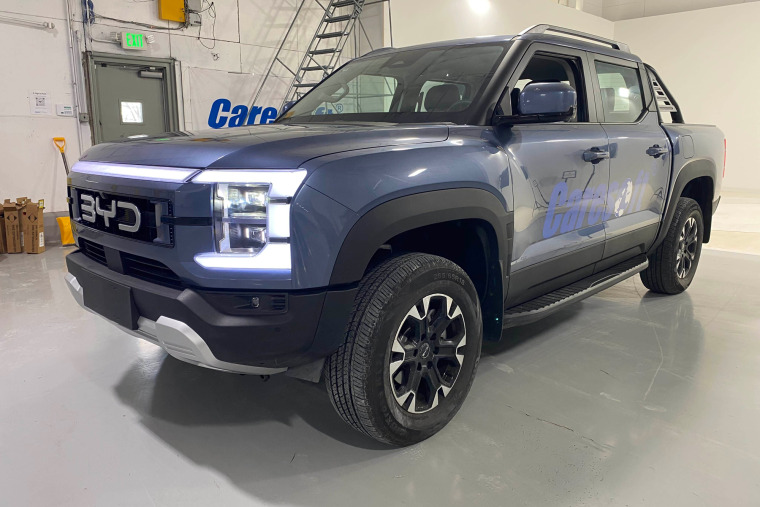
{"x":135,"y":172}
{"x":284,"y":182}
{"x":273,"y":257}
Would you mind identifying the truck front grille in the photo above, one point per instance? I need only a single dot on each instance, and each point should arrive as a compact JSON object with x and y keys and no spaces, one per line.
{"x":93,"y":251}
{"x":150,"y":271}
{"x":134,"y":265}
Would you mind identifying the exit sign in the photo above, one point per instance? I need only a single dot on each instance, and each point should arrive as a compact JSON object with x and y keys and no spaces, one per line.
{"x":131,"y":40}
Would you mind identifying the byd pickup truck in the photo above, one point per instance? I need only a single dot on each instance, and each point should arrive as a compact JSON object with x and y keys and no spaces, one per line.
{"x":413,"y":204}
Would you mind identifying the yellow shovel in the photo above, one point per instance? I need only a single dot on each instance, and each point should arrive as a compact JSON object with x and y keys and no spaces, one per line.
{"x":64,"y":223}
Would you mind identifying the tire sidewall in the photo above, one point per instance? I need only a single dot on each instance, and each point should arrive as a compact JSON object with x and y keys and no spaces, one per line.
{"x":423,"y":282}
{"x":692,"y":210}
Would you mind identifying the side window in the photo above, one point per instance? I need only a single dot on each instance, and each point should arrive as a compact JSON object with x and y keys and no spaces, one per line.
{"x":622,"y":100}
{"x":554,"y":69}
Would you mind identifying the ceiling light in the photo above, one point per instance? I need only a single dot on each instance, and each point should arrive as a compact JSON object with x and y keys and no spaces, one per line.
{"x":480,"y":6}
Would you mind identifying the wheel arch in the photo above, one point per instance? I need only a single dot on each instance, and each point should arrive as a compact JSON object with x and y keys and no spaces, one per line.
{"x":695,"y":180}
{"x":469,"y":216}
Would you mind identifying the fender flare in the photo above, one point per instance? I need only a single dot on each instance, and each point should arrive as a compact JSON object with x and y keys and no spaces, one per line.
{"x":690,"y":171}
{"x":389,"y":219}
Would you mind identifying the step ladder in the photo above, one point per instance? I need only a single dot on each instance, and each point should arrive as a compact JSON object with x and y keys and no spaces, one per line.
{"x":324,"y":50}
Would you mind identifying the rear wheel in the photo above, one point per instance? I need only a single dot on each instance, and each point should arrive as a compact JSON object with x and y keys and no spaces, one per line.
{"x":673,"y":264}
{"x":411,"y":349}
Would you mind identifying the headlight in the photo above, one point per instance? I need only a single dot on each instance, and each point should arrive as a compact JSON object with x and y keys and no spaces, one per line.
{"x":251,"y":218}
{"x":240,"y":222}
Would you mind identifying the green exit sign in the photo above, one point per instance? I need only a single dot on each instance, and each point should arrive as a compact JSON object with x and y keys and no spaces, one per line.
{"x":130,"y":40}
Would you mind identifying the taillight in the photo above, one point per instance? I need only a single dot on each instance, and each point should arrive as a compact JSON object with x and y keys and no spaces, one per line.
{"x":725,"y":152}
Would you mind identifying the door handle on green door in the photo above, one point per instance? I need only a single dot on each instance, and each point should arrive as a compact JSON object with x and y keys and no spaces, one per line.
{"x":657,"y":151}
{"x":595,"y":155}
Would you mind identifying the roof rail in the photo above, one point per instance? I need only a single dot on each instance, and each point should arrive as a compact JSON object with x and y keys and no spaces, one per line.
{"x":576,"y":33}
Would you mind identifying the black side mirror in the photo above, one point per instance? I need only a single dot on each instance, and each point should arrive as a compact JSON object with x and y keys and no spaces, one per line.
{"x":542,"y":103}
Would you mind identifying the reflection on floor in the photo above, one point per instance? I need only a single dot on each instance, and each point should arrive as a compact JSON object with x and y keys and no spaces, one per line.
{"x":627,"y":398}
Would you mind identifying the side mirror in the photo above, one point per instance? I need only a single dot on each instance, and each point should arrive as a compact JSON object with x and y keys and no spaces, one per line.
{"x":543,"y":102}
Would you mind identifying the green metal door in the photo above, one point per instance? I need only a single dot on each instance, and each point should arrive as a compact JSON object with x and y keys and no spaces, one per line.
{"x":131,"y":98}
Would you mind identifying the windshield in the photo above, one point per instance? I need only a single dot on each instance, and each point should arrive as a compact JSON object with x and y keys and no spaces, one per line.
{"x":418,"y":85}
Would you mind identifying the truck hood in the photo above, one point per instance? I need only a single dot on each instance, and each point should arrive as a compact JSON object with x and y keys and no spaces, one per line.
{"x":273,"y":146}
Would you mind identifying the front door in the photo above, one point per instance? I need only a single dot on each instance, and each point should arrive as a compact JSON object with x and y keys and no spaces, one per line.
{"x":131,"y":97}
{"x":559,"y":196}
{"x":640,"y":158}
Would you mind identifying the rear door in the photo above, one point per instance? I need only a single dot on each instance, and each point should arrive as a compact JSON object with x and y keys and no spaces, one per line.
{"x":640,"y":157}
{"x":559,"y":197}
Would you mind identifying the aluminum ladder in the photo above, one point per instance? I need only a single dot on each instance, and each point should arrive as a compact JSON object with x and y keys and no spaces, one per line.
{"x":323,"y":52}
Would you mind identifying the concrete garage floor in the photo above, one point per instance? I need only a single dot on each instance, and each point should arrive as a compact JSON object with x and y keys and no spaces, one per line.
{"x":626,"y":399}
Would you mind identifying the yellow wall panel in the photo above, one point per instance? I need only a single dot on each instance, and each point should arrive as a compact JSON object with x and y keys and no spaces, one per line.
{"x":172,"y":10}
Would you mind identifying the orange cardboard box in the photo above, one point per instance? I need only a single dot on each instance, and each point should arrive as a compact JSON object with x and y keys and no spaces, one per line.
{"x":12,"y":222}
{"x":34,"y":230}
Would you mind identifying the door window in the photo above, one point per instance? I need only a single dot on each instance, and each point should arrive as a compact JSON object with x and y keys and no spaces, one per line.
{"x":544,"y":68}
{"x":131,"y":112}
{"x":622,"y":101}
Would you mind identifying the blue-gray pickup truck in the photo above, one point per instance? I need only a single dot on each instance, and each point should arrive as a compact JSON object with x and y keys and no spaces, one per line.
{"x":413,"y":204}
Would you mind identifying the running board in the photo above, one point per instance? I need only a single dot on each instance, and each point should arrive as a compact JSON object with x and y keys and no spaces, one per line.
{"x":547,"y":304}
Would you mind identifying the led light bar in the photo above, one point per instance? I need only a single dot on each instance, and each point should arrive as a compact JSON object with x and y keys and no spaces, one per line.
{"x":283,"y":183}
{"x":136,"y":172}
{"x":273,"y":257}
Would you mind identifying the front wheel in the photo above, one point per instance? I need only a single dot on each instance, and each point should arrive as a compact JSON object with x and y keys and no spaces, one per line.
{"x":410,"y":352}
{"x":673,"y":264}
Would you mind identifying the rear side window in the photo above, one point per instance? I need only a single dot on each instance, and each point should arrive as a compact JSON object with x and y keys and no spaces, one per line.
{"x":622,"y":100}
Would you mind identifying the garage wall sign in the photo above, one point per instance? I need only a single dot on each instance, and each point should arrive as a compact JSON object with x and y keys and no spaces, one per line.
{"x":224,"y":114}
{"x":39,"y":103}
{"x":219,"y":99}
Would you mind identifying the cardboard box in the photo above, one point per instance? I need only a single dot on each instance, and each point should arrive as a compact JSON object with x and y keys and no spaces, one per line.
{"x":12,"y":221}
{"x":33,"y":227}
{"x":2,"y":231}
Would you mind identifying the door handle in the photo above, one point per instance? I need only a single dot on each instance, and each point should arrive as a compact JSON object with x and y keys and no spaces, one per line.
{"x":657,"y":151}
{"x":595,"y":155}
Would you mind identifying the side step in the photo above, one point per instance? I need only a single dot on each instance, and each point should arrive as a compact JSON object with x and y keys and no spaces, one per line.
{"x":545,"y":305}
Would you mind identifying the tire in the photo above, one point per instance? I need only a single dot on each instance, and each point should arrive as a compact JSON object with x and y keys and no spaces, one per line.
{"x":371,"y":377}
{"x":673,"y":264}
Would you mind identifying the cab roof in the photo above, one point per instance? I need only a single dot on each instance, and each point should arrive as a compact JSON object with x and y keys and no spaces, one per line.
{"x":567,"y":38}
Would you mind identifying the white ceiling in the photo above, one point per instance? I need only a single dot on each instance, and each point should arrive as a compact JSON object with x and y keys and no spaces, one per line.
{"x":616,"y":10}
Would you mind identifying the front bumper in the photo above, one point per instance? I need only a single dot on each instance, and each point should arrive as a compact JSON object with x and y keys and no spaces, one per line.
{"x":193,"y":326}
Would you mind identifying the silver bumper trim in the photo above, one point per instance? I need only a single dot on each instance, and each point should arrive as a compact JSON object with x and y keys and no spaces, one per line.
{"x":177,"y":338}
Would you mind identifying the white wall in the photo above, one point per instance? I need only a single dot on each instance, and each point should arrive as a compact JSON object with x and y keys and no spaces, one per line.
{"x":617,"y":10}
{"x":709,"y":61}
{"x":247,"y":34}
{"x":420,"y":21}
